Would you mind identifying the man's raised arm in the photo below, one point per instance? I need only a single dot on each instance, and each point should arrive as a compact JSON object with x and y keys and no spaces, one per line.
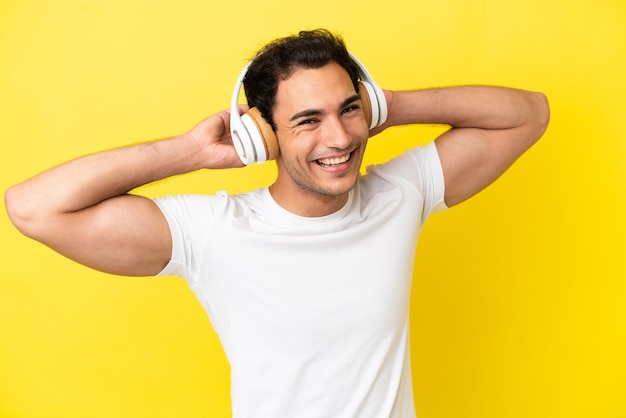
{"x":491,"y":128}
{"x":82,"y":208}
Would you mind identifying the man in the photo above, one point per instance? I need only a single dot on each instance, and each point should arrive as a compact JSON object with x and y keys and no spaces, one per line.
{"x":306,"y":282}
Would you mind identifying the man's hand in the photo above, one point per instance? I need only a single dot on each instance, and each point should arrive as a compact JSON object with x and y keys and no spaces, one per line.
{"x":213,"y":139}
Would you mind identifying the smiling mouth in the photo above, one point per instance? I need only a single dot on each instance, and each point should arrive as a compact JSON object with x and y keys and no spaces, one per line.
{"x":331,"y":162}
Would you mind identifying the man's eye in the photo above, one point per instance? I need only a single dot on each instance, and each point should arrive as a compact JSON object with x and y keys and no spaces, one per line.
{"x":349,"y":109}
{"x":307,"y":122}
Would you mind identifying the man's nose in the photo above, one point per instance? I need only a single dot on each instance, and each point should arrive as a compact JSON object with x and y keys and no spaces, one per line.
{"x":335,"y":134}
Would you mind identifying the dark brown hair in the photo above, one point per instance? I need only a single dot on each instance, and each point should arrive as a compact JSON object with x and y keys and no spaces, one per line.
{"x":281,"y":57}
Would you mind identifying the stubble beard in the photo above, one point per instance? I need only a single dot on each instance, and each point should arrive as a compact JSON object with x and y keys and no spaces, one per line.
{"x":308,"y":185}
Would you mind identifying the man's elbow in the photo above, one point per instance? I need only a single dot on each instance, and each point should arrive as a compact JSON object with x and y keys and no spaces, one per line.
{"x":541,"y":114}
{"x":19,"y":211}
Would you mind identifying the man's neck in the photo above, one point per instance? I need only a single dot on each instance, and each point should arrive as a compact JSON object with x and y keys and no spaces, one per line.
{"x":307,"y":204}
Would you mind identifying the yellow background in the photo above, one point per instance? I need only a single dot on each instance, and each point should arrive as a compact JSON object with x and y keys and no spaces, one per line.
{"x":519,"y":305}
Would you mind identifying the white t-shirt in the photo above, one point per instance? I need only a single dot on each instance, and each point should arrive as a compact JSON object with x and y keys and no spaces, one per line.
{"x":312,"y":312}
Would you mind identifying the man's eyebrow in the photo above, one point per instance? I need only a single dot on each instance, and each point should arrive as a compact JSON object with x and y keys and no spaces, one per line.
{"x":315,"y":112}
{"x":305,"y":114}
{"x":350,"y":100}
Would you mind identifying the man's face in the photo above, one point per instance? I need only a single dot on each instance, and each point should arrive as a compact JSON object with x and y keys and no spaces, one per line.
{"x":322,"y":132}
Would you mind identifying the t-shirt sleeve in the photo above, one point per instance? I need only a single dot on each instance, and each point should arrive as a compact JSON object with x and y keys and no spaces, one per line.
{"x":189,"y":218}
{"x":421,"y":167}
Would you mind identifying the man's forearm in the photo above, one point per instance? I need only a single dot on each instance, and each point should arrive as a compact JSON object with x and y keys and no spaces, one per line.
{"x":483,"y":107}
{"x":91,"y":179}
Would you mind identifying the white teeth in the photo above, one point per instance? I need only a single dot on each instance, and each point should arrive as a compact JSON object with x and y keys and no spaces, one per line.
{"x":333,"y":161}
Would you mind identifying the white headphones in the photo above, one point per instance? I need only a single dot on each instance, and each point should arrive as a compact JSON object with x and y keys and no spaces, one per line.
{"x":255,"y":140}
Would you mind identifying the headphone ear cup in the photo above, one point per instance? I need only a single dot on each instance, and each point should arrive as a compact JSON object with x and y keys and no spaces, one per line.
{"x":367,"y":104}
{"x":266,"y":134}
{"x":370,"y":104}
{"x":381,"y":103}
{"x":378,"y":102}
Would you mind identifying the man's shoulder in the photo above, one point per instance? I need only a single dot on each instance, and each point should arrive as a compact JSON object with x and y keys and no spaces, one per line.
{"x":409,"y":165}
